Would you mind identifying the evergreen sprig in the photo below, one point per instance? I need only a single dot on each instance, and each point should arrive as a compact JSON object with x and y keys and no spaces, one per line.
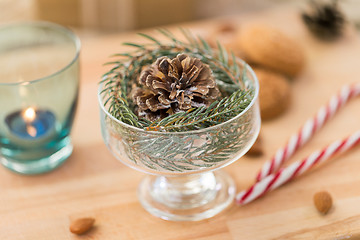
{"x":122,"y":77}
{"x":198,"y":118}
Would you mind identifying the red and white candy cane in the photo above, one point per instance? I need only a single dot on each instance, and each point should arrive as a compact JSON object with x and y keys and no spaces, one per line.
{"x":308,"y":130}
{"x":270,"y":177}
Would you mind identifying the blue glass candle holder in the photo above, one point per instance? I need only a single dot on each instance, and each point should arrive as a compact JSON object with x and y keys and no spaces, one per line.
{"x":39,"y":83}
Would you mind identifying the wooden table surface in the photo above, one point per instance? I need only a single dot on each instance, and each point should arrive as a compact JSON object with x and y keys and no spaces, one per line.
{"x":93,"y":183}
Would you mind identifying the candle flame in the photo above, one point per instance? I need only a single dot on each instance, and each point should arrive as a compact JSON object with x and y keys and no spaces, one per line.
{"x":31,"y":130}
{"x":29,"y":114}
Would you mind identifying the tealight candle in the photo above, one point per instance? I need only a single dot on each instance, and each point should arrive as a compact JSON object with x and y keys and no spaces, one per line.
{"x":39,"y":83}
{"x":30,"y":123}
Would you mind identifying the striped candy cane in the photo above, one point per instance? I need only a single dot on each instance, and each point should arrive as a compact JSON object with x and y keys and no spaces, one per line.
{"x":308,"y":130}
{"x":270,"y":177}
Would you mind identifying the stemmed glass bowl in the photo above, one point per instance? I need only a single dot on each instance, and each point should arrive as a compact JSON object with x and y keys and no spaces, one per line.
{"x":182,"y":184}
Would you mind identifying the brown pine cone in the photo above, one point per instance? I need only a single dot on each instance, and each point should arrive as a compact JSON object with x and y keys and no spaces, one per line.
{"x":174,"y":85}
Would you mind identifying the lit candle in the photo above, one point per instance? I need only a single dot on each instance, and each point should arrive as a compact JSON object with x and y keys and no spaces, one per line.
{"x":39,"y":64}
{"x":29,"y":116}
{"x":30,"y":123}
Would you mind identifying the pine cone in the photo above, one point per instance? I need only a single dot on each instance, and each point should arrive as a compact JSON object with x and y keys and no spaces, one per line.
{"x":174,"y":85}
{"x":326,"y":21}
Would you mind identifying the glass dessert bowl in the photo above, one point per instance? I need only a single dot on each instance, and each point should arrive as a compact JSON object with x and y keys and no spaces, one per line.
{"x":184,"y":181}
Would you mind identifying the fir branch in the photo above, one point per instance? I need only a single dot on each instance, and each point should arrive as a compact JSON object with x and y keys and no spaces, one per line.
{"x":120,"y":79}
{"x":150,"y":38}
{"x":196,"y":118}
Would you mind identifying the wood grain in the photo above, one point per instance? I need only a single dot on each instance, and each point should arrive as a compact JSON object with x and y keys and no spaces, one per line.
{"x":93,"y":183}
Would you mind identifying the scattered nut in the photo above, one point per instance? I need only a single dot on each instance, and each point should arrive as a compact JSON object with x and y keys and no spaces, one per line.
{"x":225,"y":33}
{"x":273,"y":49}
{"x":257,"y":149}
{"x":323,"y":201}
{"x":274,"y":94}
{"x":81,"y":225}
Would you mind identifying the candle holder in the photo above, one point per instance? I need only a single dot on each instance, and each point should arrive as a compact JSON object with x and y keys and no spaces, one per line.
{"x":39,"y":82}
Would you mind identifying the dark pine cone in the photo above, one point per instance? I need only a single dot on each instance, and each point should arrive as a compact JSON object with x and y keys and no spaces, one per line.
{"x":174,"y":85}
{"x":326,"y":20}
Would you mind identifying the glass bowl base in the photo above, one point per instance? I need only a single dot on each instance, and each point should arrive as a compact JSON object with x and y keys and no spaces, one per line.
{"x":187,"y":198}
{"x":38,"y":166}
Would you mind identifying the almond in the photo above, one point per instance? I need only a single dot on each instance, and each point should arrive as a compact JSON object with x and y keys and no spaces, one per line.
{"x":81,"y":225}
{"x":322,"y":201}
